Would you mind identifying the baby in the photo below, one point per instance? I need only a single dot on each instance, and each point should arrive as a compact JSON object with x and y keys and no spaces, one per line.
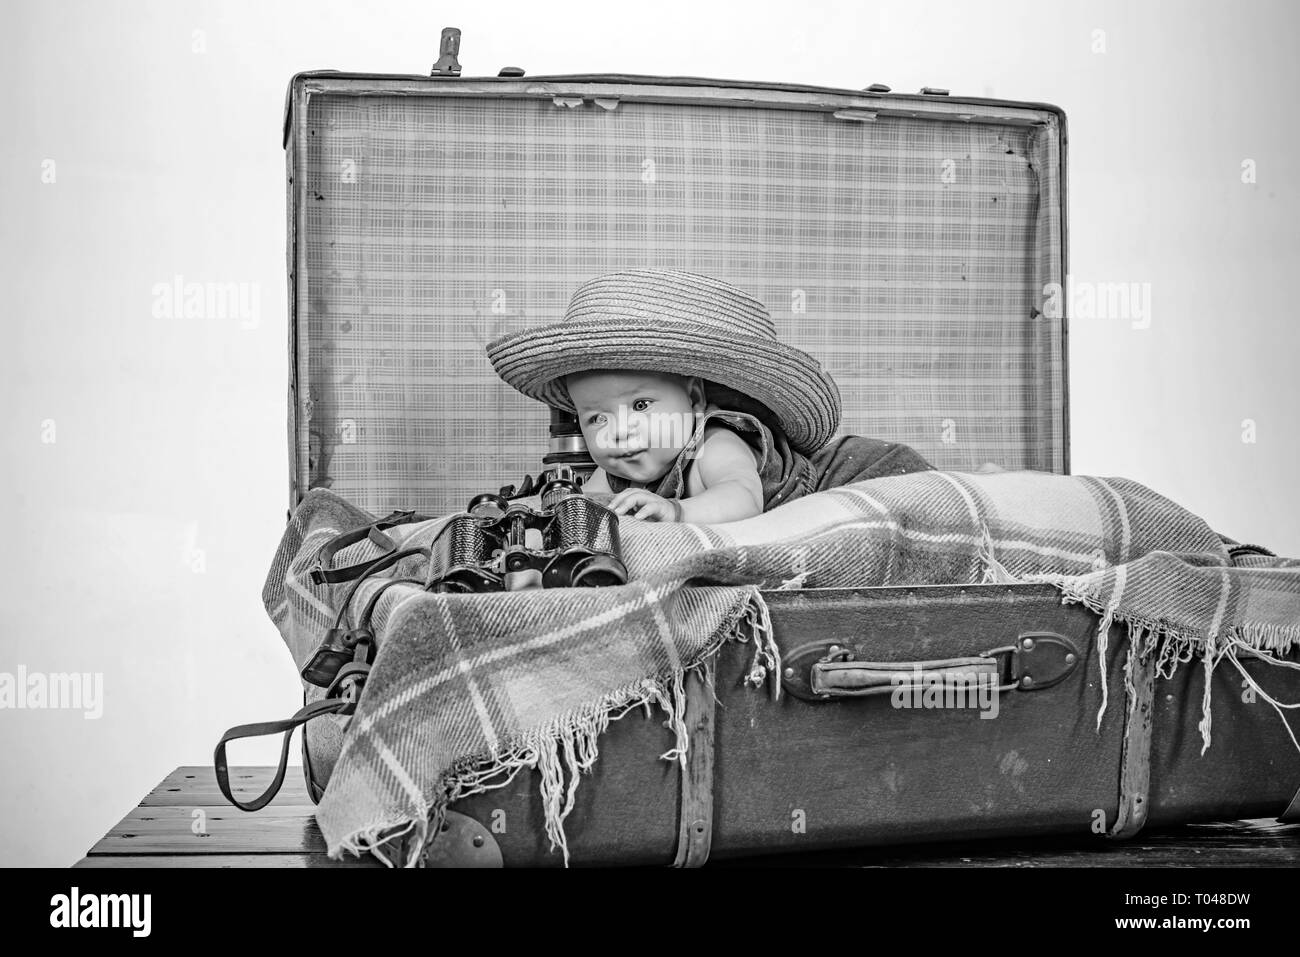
{"x":638,"y":424}
{"x":690,"y":406}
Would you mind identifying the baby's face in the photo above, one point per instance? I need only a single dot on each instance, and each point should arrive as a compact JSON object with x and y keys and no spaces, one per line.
{"x":635,"y":423}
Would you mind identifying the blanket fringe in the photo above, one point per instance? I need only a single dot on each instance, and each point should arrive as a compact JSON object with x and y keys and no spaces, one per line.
{"x":994,"y":572}
{"x":757,"y":621}
{"x":1174,"y":646}
{"x":382,"y":838}
{"x":567,"y":747}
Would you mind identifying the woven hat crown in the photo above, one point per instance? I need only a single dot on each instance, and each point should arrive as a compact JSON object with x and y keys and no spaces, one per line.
{"x":671,"y":296}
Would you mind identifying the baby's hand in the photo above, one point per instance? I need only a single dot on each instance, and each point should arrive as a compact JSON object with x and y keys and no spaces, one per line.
{"x":644,"y":504}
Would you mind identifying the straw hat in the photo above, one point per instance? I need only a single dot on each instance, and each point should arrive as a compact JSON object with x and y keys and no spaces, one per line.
{"x":666,"y":320}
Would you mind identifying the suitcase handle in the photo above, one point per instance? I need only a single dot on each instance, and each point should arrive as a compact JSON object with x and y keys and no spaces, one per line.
{"x":820,"y":671}
{"x":858,"y":679}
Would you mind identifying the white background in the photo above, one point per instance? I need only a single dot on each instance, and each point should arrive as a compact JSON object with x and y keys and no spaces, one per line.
{"x":170,"y":450}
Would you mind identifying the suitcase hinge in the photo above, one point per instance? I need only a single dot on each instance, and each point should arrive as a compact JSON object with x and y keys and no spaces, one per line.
{"x":459,"y":842}
{"x":573,"y":102}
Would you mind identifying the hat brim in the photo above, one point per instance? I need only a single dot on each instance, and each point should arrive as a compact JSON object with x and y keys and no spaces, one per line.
{"x":788,"y":381}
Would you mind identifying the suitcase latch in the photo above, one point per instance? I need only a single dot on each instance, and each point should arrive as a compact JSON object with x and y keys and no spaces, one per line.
{"x":448,"y":64}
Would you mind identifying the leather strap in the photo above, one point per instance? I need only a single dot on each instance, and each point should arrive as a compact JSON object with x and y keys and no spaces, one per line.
{"x":368,"y":569}
{"x":355,"y":671}
{"x":287,"y":726}
{"x":314,"y":791}
{"x":1135,"y":765}
{"x":695,"y":821}
{"x":324,"y":575}
{"x":369,"y":611}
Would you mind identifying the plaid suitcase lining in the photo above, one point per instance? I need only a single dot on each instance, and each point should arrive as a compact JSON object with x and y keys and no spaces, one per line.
{"x":907,"y":255}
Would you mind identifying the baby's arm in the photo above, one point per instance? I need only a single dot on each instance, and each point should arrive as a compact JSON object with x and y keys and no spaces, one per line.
{"x":732,"y":489}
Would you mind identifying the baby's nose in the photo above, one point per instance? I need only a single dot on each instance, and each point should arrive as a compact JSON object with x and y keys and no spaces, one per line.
{"x":614,"y":433}
{"x":635,"y":431}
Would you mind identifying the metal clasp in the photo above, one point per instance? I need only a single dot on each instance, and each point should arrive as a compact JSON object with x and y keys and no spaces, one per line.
{"x":1054,"y":657}
{"x":448,"y":64}
{"x":1013,"y":653}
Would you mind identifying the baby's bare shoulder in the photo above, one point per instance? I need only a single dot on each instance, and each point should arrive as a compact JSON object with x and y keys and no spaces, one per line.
{"x":722,"y":454}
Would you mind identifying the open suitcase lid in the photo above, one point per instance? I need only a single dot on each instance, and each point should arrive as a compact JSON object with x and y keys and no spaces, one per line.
{"x":908,"y":242}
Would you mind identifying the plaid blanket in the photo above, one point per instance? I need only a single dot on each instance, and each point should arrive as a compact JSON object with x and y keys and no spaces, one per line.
{"x":466,"y":690}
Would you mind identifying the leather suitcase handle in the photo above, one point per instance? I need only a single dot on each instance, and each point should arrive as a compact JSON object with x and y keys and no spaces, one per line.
{"x":821,"y":671}
{"x":855,"y":679}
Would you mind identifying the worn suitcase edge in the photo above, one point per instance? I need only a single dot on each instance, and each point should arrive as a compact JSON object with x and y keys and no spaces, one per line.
{"x":416,"y":82}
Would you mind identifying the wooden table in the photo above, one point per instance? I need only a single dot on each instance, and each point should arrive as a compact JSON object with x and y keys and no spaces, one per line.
{"x":185,"y":822}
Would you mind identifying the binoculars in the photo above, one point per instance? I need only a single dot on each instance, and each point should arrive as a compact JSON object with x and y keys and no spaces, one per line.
{"x":571,"y":542}
{"x":500,"y":545}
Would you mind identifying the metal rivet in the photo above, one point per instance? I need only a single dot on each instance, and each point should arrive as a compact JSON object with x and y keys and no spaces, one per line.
{"x":789,"y":672}
{"x":1026,"y":681}
{"x":478,"y":840}
{"x":1069,"y":659}
{"x":1027,"y":644}
{"x":834,"y":648}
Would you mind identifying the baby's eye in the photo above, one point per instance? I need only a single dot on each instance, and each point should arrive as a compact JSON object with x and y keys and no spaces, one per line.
{"x":640,"y":405}
{"x":596,"y":419}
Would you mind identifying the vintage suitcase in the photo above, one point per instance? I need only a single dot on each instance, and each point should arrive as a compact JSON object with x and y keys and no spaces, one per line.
{"x":910,"y":243}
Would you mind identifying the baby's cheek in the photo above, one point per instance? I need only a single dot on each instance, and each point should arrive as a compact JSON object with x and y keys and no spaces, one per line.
{"x":592,"y":436}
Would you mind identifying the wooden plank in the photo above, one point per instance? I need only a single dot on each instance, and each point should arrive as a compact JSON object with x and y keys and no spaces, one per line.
{"x":1256,"y":843}
{"x":1135,"y":762}
{"x":161,"y":833}
{"x":224,"y":830}
{"x":695,"y":825}
{"x":222,"y":860}
{"x":197,"y":785}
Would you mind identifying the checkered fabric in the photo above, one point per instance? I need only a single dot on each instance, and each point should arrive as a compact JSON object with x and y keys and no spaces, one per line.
{"x":907,"y":255}
{"x":467,"y":689}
